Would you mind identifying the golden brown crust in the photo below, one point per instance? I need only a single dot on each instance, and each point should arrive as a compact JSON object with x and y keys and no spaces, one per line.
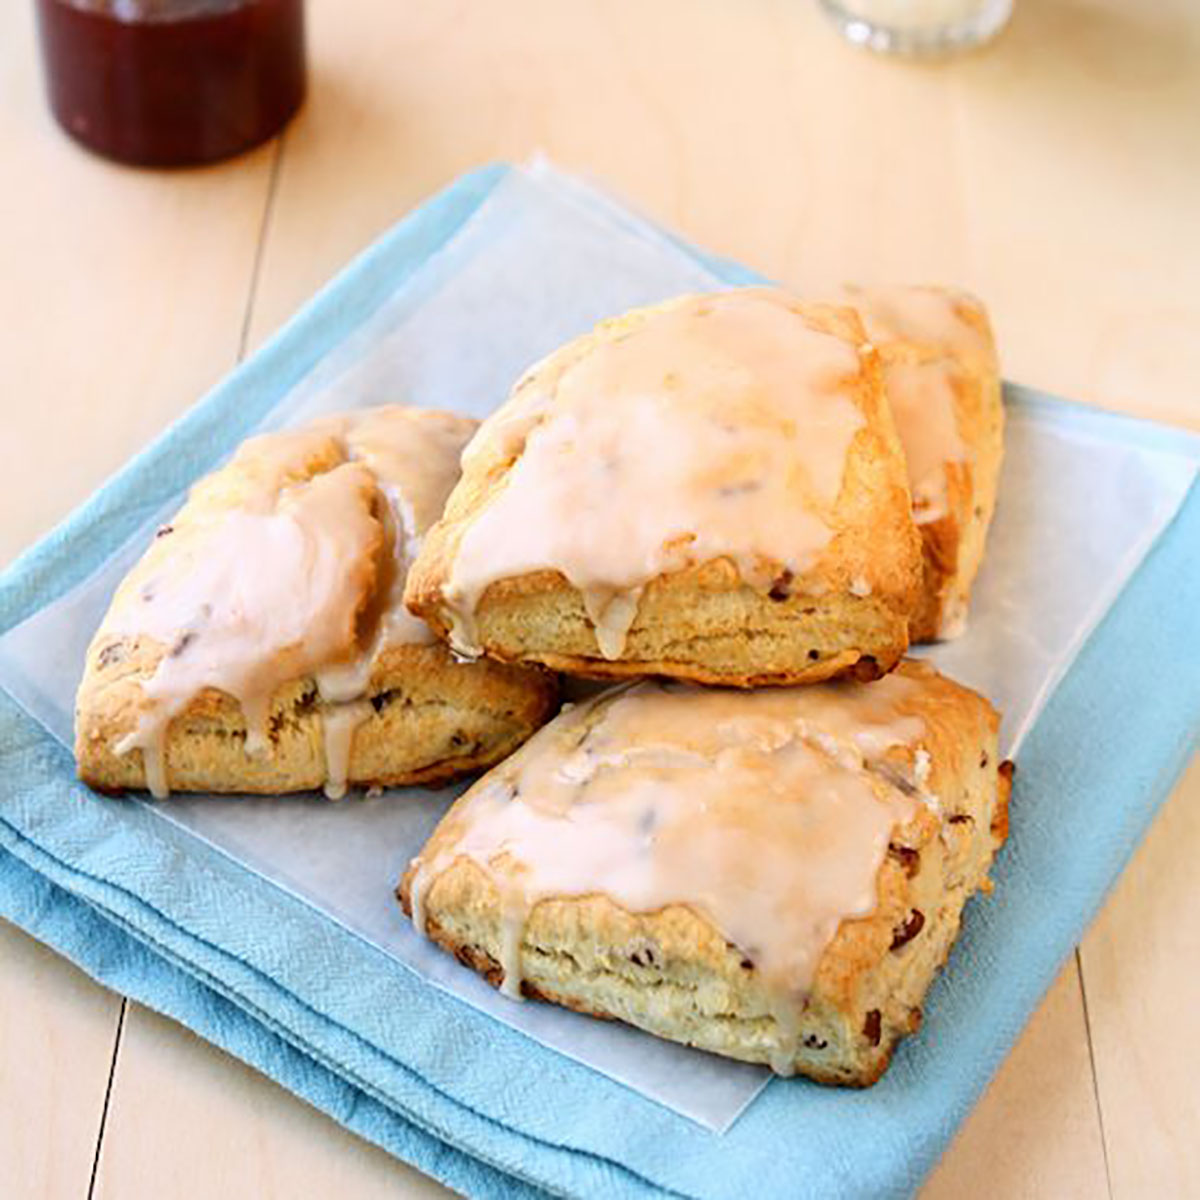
{"x":483,"y":964}
{"x":673,"y":973}
{"x":432,"y":719}
{"x":702,"y":625}
{"x":705,"y":623}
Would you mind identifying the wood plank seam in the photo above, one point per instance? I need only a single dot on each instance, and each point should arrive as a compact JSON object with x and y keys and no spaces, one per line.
{"x":108,"y":1087}
{"x":1087,"y":1025}
{"x":243,"y":336}
{"x":260,"y":244}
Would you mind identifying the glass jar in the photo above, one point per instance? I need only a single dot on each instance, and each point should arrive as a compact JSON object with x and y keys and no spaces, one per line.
{"x":919,"y":26}
{"x":172,"y":82}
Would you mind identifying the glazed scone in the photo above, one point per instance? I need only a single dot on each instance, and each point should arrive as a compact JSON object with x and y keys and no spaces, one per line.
{"x":710,"y":489}
{"x":943,"y":382}
{"x":775,"y":876}
{"x":260,"y":644}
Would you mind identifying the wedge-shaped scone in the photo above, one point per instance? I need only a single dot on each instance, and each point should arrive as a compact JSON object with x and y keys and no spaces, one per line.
{"x":775,"y":876}
{"x":943,"y":382}
{"x":711,"y":489}
{"x":260,"y":645}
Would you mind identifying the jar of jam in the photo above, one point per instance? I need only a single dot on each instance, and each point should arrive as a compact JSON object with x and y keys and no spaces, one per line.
{"x":172,"y":82}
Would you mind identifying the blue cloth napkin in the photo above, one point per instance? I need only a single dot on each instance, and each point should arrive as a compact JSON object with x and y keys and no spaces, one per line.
{"x":149,"y":909}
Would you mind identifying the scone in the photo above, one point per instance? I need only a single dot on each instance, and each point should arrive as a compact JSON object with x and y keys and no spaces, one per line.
{"x":775,"y":876}
{"x":710,"y":489}
{"x":260,"y":644}
{"x":943,"y":382}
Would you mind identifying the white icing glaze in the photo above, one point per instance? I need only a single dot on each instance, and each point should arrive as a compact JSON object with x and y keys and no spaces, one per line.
{"x":931,"y":316}
{"x":252,"y":599}
{"x":288,"y":564}
{"x":922,"y":400}
{"x":760,"y":811}
{"x":714,"y":426}
{"x":338,"y":722}
{"x":926,"y":343}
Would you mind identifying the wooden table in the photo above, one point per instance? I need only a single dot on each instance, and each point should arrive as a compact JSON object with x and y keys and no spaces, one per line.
{"x":1056,"y":173}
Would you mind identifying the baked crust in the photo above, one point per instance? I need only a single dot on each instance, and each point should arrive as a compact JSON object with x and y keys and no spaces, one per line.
{"x":706,"y":622}
{"x":703,"y":625}
{"x":431,"y":720}
{"x":953,"y":540}
{"x":416,"y":714}
{"x":673,"y":973}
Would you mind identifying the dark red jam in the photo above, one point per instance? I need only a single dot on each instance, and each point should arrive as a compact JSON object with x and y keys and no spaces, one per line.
{"x":172,"y":82}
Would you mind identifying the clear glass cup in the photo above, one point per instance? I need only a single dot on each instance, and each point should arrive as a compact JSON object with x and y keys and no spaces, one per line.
{"x":918,"y":26}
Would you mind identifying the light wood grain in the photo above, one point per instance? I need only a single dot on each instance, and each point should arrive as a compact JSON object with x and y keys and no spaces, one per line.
{"x":56,"y":1039}
{"x":187,"y":1121}
{"x":1055,"y":173}
{"x":1036,"y":1132}
{"x":1143,"y":989}
{"x":1058,"y":164}
{"x":168,"y":1086}
{"x":122,"y":298}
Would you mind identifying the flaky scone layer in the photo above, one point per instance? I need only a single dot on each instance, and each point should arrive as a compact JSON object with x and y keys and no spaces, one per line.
{"x":703,"y":625}
{"x":675,"y":973}
{"x":741,"y":617}
{"x":428,"y":719}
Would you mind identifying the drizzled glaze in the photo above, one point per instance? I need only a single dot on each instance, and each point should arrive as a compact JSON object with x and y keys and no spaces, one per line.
{"x":926,"y":344}
{"x":925,"y":315}
{"x":722,"y":422}
{"x":922,"y":396}
{"x":768,"y":813}
{"x":290,"y":563}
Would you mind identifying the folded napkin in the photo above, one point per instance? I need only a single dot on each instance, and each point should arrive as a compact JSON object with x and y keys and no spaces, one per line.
{"x":151,"y":909}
